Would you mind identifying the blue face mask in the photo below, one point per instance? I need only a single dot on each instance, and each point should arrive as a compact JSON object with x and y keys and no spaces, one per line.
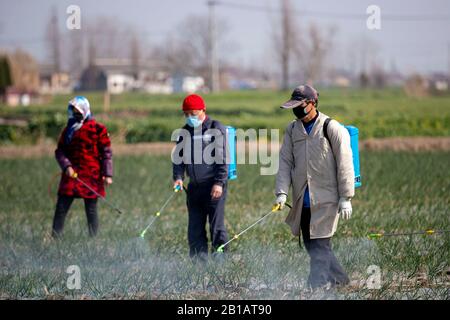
{"x":193,"y":121}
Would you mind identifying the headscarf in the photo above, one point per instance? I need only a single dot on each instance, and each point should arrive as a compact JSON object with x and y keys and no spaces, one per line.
{"x":82,"y":105}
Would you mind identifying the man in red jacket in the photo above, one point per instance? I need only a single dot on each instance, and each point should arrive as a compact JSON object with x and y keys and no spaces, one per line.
{"x":85,"y":148}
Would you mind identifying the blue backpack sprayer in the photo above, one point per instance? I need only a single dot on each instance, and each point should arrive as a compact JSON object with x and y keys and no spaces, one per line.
{"x":231,"y":149}
{"x":353,"y":132}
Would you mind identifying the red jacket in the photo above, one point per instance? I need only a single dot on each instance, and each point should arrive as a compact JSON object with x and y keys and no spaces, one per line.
{"x":90,"y":155}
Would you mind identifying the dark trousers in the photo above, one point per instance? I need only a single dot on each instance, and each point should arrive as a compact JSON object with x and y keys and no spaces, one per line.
{"x":62,"y":208}
{"x":324,"y":267}
{"x":201,"y":207}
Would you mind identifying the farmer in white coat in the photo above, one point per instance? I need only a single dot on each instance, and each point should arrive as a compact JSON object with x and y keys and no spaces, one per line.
{"x":320,"y":171}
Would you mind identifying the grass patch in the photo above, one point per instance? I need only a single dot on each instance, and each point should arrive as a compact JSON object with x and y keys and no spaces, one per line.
{"x":401,"y":192}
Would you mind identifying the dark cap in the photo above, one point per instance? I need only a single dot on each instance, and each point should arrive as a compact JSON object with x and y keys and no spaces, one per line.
{"x":300,"y":94}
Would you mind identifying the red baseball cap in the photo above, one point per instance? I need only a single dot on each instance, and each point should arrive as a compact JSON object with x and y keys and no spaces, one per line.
{"x":193,"y":102}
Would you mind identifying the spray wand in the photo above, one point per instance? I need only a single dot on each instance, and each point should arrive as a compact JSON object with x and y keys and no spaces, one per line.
{"x":75,"y":176}
{"x":275,"y":207}
{"x":373,"y":236}
{"x":158,"y":213}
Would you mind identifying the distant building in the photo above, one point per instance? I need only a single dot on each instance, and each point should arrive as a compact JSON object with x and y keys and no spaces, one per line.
{"x":119,"y":75}
{"x":242,"y":84}
{"x":188,"y":84}
{"x":113,"y":75}
{"x":340,"y":78}
{"x":342,"y":81}
{"x":15,"y":97}
{"x":438,"y":82}
{"x":119,"y":83}
{"x":154,"y":82}
{"x":19,"y":78}
{"x":92,"y":78}
{"x":234,"y":78}
{"x":51,"y":82}
{"x":158,"y":87}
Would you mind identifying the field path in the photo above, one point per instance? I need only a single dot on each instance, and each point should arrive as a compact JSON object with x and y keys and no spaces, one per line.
{"x":414,"y":144}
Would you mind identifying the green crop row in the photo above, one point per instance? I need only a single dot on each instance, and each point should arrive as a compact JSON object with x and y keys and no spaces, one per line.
{"x":144,"y":118}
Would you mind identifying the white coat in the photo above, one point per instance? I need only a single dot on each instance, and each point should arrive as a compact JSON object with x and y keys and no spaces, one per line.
{"x":310,"y":160}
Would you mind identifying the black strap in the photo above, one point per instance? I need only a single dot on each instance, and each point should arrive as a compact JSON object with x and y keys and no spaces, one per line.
{"x":214,"y":124}
{"x":325,"y":133}
{"x":292,"y":127}
{"x":325,"y":129}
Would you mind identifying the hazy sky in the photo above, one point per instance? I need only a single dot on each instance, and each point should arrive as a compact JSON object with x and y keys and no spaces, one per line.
{"x":417,"y":44}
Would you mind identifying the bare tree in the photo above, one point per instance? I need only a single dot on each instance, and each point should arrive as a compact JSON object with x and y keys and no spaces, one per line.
{"x":196,"y":41}
{"x":104,"y":35}
{"x":24,"y":71}
{"x":363,"y":52}
{"x":5,"y":74}
{"x":286,"y":40}
{"x":104,"y":38}
{"x":53,"y":40}
{"x":135,"y":55}
{"x":75,"y":53}
{"x":308,"y":50}
{"x":367,"y":50}
{"x":109,"y":38}
{"x":187,"y":49}
{"x":92,"y":52}
{"x":174,"y":56}
{"x":379,"y":76}
{"x":315,"y":50}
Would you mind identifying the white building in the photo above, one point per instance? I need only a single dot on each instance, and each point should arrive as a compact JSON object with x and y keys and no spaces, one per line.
{"x":187,"y":84}
{"x":119,"y":83}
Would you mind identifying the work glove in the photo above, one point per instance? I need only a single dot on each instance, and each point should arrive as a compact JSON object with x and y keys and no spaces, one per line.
{"x":345,"y":208}
{"x":281,"y":200}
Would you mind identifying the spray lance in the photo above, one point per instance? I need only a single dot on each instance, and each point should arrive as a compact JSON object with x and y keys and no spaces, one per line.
{"x":158,"y":213}
{"x":275,"y":208}
{"x":429,"y":232}
{"x":75,"y":176}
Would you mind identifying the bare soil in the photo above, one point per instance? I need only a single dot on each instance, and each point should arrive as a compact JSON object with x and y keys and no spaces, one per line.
{"x":411,"y":144}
